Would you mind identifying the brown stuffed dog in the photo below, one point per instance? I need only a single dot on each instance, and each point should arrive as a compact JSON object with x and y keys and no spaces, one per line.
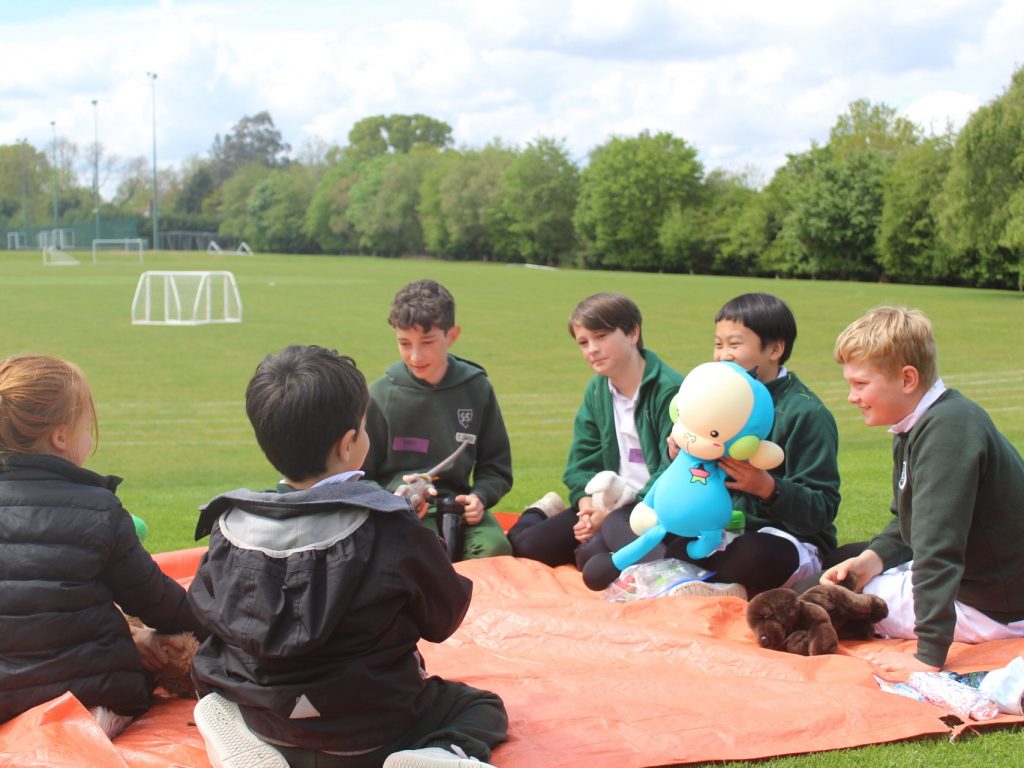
{"x":812,"y":624}
{"x":176,"y":676}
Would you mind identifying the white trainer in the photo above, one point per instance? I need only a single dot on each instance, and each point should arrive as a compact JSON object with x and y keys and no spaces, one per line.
{"x":550,"y":504}
{"x":433,"y":757}
{"x":229,"y":742}
{"x":709,"y":589}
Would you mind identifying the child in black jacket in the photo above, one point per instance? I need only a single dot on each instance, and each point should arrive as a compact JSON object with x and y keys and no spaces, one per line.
{"x":72,"y":560}
{"x":316,"y":595}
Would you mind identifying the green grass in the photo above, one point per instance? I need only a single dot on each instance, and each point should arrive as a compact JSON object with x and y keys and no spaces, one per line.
{"x":170,"y":400}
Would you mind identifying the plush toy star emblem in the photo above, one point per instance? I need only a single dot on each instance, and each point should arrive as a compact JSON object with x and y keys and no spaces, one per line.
{"x":699,"y":475}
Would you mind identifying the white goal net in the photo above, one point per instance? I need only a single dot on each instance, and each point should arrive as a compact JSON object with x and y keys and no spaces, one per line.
{"x":55,"y":257}
{"x":132,"y":245}
{"x":186,"y":298}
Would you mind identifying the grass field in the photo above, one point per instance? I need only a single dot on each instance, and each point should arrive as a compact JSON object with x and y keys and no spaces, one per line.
{"x":170,"y":400}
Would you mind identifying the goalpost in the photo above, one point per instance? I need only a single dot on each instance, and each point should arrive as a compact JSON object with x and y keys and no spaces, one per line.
{"x":186,"y":298}
{"x":126,"y":244}
{"x":55,"y":257}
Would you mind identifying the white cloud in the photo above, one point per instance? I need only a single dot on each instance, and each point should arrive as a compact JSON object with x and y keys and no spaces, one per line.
{"x":745,"y":82}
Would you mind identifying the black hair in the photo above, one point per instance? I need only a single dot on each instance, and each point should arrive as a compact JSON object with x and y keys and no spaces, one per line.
{"x":608,"y":312}
{"x":767,"y":316}
{"x":423,"y":303}
{"x":301,"y":402}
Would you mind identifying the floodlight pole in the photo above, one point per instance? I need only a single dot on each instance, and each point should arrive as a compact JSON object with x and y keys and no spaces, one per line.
{"x":96,"y":165}
{"x":24,"y":186}
{"x":156,"y":215}
{"x":53,"y":125}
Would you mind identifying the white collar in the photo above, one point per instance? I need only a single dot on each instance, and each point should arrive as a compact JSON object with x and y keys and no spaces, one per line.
{"x":907,"y":422}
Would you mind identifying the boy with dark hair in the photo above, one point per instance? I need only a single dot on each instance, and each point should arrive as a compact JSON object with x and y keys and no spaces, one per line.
{"x":427,"y":405}
{"x":789,"y":511}
{"x":618,"y":447}
{"x":949,"y":564}
{"x":316,"y":595}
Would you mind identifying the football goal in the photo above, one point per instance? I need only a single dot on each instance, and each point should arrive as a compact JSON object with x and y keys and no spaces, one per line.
{"x":61,"y":239}
{"x":186,"y":298}
{"x":123,"y":244}
{"x":243,"y":249}
{"x":55,"y":257}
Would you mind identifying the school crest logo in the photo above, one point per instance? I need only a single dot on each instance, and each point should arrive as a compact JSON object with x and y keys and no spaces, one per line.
{"x":465,"y":417}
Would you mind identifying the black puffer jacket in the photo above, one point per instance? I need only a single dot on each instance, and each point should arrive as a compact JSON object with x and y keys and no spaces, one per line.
{"x":316,"y":600}
{"x":68,"y":553}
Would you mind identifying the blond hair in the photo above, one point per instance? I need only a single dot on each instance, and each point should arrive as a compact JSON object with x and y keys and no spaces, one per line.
{"x":38,"y":394}
{"x":890,"y":338}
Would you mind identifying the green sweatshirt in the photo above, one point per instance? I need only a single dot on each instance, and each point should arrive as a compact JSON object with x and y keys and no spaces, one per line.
{"x":958,"y":501}
{"x":595,"y":447}
{"x":808,"y":477}
{"x":413,"y":425}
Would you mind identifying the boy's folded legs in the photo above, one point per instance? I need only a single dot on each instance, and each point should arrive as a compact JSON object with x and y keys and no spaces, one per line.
{"x":461,"y":728}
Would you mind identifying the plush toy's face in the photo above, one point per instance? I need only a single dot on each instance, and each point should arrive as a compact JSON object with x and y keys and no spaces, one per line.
{"x":772,"y":615}
{"x":713,"y":404}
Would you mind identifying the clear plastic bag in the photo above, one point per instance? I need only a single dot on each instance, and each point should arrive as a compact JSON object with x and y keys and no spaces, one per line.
{"x":655,"y":579}
{"x":965,"y":702}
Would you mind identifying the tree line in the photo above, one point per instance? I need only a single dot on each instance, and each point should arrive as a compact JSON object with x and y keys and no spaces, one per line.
{"x":882,"y":200}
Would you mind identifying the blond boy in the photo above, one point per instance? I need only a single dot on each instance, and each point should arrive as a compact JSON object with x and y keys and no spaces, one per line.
{"x":950,"y":564}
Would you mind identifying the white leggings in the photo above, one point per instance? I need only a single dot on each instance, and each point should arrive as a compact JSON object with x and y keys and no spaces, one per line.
{"x":972,"y":626}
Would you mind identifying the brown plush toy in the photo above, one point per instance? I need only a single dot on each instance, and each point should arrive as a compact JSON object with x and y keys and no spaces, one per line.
{"x":176,"y":676}
{"x":812,"y":624}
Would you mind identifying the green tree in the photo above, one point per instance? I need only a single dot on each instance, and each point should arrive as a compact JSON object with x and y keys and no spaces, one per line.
{"x":832,"y":196}
{"x":23,"y":171}
{"x":197,"y":188}
{"x":276,"y":210}
{"x":539,"y":192}
{"x":326,"y":222}
{"x":910,"y":248}
{"x":733,"y":228}
{"x":384,"y":202}
{"x":836,"y":217}
{"x":681,"y":238}
{"x":982,"y":218}
{"x":253,"y":139}
{"x":627,"y":190}
{"x":460,"y":202}
{"x":430,"y":209}
{"x":867,"y":126}
{"x":383,"y":134}
{"x":231,"y":203}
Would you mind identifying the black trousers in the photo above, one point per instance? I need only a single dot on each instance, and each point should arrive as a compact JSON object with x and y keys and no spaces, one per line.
{"x":549,"y":540}
{"x":758,"y":561}
{"x":470,"y":718}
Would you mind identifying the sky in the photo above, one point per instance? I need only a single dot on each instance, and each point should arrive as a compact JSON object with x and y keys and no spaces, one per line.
{"x":742,"y":81}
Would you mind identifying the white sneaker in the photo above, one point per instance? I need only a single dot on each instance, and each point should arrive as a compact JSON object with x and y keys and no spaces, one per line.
{"x":111,"y":722}
{"x":550,"y":504}
{"x":429,"y":757}
{"x":709,"y":589}
{"x":229,"y":742}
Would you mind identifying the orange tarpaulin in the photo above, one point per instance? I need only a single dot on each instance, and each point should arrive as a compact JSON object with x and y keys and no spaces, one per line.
{"x":586,"y":683}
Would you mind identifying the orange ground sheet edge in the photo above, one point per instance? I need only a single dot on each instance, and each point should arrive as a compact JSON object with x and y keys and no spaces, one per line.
{"x":587,"y":683}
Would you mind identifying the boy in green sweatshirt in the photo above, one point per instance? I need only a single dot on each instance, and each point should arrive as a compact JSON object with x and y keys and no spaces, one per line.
{"x":428,"y":404}
{"x":950,"y":564}
{"x":789,"y":511}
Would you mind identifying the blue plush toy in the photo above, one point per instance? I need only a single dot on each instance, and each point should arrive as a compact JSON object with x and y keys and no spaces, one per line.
{"x":720,"y":410}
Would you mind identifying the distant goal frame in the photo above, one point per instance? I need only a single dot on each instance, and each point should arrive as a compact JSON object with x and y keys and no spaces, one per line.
{"x":205,"y":308}
{"x":126,"y":244}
